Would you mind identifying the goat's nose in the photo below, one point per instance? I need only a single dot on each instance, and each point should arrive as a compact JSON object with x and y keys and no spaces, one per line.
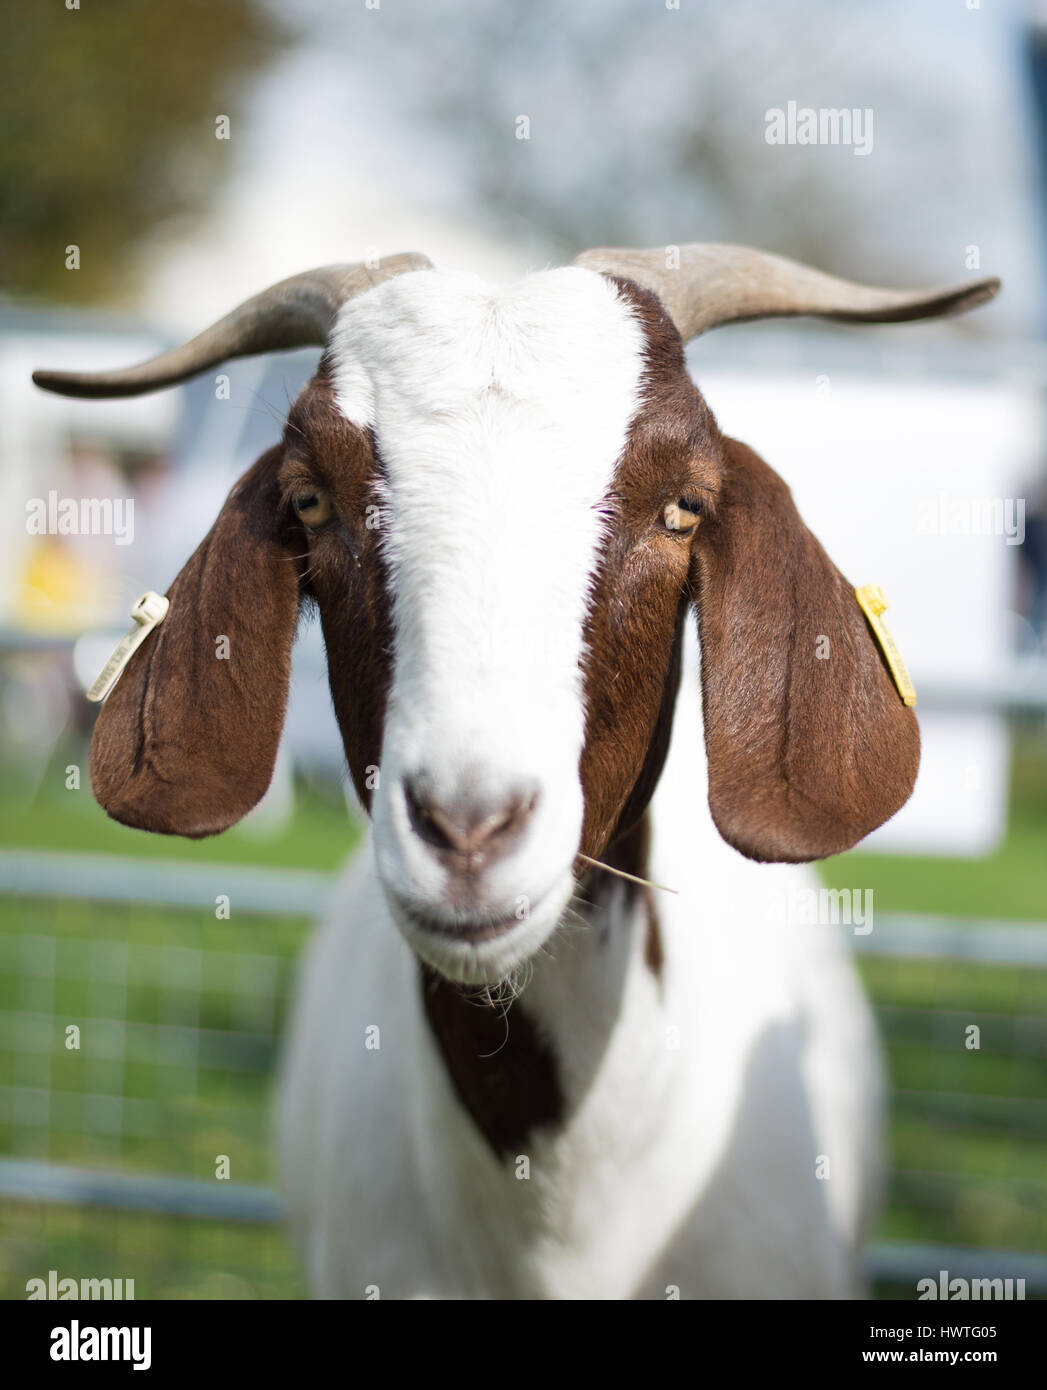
{"x":467,"y":833}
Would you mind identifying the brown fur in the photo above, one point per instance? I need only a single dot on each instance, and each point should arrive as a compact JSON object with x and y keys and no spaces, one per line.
{"x":503,"y":1071}
{"x":806,"y":755}
{"x":346,"y":574}
{"x":185,"y":744}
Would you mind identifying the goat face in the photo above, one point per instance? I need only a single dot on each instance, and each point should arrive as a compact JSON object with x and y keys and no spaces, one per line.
{"x":502,"y":505}
{"x":504,"y":502}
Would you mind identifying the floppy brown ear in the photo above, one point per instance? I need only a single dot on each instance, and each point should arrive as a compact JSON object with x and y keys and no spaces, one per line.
{"x":186,"y":742}
{"x":809,"y":744}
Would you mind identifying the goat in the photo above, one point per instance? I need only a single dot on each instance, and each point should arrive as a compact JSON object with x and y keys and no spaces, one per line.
{"x":512,"y":1073}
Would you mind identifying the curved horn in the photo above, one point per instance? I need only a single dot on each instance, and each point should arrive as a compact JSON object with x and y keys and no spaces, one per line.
{"x":294,"y":313}
{"x":722,"y":284}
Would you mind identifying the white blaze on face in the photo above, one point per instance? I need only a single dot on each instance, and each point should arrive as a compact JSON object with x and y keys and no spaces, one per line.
{"x":499,"y":417}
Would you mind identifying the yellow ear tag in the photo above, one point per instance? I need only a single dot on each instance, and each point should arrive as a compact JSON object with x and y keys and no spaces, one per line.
{"x":872,"y":602}
{"x":149,"y":611}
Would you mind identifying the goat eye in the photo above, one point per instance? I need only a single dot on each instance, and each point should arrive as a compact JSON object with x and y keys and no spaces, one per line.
{"x":312,"y":507}
{"x":683,"y":515}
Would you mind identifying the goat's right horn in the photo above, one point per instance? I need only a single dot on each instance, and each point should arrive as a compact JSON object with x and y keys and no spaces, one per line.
{"x":710,"y":284}
{"x":294,"y":313}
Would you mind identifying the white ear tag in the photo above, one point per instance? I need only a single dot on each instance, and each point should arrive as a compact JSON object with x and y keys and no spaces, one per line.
{"x":149,"y":611}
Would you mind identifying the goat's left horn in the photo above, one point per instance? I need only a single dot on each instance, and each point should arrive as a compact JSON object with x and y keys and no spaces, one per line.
{"x":294,"y":313}
{"x":703,"y":284}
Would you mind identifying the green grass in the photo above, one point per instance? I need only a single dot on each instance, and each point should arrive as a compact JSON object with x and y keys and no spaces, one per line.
{"x":968,"y":1133}
{"x":168,"y":1257}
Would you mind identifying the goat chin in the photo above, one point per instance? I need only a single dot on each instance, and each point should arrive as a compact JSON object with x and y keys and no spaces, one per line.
{"x":495,"y":954}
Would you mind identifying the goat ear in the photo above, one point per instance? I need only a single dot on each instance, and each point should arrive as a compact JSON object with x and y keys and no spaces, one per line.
{"x":186,"y":742}
{"x":809,"y":744}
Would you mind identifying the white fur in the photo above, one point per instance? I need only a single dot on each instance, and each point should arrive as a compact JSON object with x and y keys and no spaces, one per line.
{"x":499,"y":418}
{"x":699,"y":1108}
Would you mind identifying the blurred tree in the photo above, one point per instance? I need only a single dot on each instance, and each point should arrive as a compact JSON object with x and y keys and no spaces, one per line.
{"x":108,"y":116}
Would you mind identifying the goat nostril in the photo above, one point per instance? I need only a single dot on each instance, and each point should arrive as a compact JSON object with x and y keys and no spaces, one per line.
{"x":514,"y":816}
{"x":418,"y":813}
{"x":467,"y":831}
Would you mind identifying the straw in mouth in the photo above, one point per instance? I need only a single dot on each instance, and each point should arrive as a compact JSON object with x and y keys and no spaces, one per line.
{"x":633,"y":878}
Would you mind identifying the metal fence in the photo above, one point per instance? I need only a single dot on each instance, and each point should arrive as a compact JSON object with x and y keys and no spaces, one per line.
{"x":178,"y":1013}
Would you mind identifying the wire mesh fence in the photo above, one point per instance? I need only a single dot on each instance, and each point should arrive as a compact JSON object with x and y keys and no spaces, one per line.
{"x":965,"y":1041}
{"x":138,"y":1038}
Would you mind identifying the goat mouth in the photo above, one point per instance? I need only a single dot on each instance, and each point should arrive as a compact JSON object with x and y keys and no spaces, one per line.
{"x":483,"y":927}
{"x":476,"y":947}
